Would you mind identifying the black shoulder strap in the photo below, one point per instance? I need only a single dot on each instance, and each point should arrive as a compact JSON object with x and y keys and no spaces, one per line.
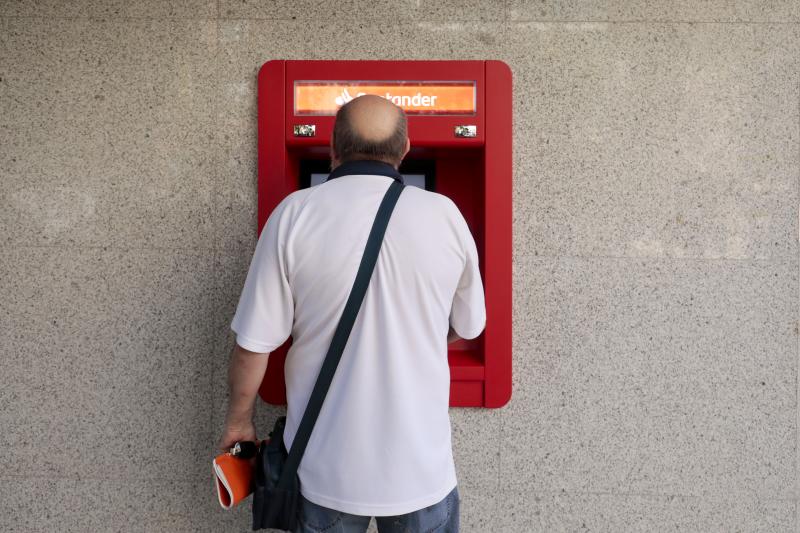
{"x":341,"y":334}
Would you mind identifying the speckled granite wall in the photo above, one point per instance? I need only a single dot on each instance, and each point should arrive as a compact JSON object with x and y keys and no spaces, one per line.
{"x":657,"y":157}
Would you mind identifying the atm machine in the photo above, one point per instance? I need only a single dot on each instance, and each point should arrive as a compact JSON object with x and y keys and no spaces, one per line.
{"x":459,"y":124}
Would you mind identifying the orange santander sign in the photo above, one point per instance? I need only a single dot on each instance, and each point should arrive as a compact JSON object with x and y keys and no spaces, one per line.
{"x":415,"y":97}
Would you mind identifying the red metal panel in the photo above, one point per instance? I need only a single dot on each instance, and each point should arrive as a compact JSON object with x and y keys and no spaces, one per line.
{"x":466,"y":393}
{"x":271,"y":190}
{"x":498,"y":238}
{"x":271,"y":145}
{"x":474,"y":172}
{"x":466,"y":365}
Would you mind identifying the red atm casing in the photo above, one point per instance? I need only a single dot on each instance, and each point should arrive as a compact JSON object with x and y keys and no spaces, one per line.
{"x":475,"y":172}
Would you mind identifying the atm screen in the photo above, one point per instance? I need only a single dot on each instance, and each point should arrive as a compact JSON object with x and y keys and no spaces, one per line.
{"x":415,"y":172}
{"x":415,"y":180}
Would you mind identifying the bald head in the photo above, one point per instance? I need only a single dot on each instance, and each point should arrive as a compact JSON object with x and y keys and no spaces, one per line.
{"x":370,"y":127}
{"x":372,"y":118}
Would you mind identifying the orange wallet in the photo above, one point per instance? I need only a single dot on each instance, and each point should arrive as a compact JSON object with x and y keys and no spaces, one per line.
{"x":234,"y":479}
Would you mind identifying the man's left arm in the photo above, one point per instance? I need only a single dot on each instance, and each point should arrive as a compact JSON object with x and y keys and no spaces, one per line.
{"x":245,"y":373}
{"x":262,"y":322}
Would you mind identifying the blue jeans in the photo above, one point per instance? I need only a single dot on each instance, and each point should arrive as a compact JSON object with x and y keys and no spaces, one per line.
{"x":441,"y":517}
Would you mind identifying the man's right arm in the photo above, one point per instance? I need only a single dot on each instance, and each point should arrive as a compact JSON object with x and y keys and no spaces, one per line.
{"x":468,"y":310}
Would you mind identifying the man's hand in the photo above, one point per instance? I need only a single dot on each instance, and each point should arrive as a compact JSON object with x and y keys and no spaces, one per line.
{"x":236,"y":430}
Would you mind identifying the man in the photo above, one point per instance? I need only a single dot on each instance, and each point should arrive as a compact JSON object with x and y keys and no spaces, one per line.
{"x":381,"y":446}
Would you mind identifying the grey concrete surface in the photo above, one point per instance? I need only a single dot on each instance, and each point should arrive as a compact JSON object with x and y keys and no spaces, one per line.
{"x":657,"y":157}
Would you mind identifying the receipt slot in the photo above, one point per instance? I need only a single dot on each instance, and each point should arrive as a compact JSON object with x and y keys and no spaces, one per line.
{"x":459,"y":124}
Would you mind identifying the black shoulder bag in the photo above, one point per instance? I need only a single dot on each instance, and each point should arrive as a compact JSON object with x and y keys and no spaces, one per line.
{"x":276,"y":495}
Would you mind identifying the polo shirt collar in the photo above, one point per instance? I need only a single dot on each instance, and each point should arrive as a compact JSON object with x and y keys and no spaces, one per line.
{"x":366,"y":167}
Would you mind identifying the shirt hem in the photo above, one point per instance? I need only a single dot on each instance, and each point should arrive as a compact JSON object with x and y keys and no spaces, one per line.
{"x":253,"y":345}
{"x":379,"y":510}
{"x":470,"y":333}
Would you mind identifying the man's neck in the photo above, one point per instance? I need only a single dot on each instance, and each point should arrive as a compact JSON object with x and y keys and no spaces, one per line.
{"x":366,"y":167}
{"x":336,"y":163}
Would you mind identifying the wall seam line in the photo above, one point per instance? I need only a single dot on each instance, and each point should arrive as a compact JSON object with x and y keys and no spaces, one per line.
{"x":218,"y":16}
{"x":216,"y":337}
{"x":797,"y":338}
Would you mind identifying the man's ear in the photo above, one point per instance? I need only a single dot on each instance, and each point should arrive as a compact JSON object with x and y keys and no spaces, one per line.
{"x":405,"y":153}
{"x":334,"y":159}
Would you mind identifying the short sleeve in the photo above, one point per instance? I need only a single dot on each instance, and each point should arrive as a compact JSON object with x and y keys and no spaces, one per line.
{"x":468,"y":313}
{"x":265,"y":313}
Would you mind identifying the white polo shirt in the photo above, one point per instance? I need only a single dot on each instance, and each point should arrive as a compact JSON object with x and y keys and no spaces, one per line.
{"x":381,"y":445}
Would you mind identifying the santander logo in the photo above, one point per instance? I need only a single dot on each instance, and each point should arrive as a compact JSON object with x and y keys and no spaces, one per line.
{"x":406,"y":100}
{"x":345,"y":97}
{"x":414,"y":97}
